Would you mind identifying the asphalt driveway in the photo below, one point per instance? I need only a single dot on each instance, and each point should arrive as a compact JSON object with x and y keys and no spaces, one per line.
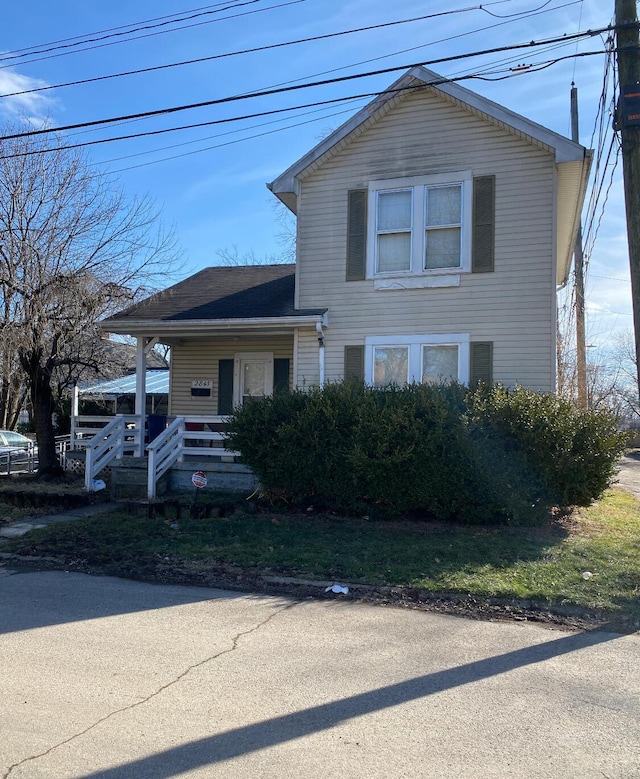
{"x":109,"y":678}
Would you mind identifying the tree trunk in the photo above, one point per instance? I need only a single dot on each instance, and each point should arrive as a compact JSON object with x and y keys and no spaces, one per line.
{"x":43,"y":405}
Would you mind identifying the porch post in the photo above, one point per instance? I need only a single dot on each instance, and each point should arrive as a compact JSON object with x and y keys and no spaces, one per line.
{"x":75,"y":406}
{"x":141,"y":390}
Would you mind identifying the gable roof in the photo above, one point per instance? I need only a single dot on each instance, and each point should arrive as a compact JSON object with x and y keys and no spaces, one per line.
{"x":244,"y":294}
{"x":285,"y":186}
{"x":573,"y":161}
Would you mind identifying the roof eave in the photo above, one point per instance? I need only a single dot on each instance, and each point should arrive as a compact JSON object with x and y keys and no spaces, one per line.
{"x":169,"y":326}
{"x":566,"y":243}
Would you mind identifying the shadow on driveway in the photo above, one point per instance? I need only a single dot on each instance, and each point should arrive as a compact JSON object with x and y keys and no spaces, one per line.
{"x":269,"y":733}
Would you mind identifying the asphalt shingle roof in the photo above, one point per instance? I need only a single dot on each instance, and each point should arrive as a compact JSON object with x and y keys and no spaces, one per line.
{"x":240,"y":292}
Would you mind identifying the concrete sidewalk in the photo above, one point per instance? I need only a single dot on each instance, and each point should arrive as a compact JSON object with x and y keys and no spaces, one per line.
{"x":16,"y":529}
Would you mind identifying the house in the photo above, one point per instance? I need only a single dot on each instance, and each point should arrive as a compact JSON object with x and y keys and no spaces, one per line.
{"x":433,"y":229}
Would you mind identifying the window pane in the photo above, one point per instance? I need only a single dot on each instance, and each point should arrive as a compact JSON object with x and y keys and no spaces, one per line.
{"x":443,"y":205}
{"x":253,"y":380}
{"x":443,"y":248}
{"x":391,"y":365}
{"x":394,"y":252}
{"x":394,"y":210}
{"x":439,"y":363}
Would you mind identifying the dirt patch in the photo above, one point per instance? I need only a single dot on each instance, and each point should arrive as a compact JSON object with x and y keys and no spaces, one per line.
{"x":232,"y":577}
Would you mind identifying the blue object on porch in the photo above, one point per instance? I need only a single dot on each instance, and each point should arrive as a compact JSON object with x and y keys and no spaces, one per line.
{"x":156,"y":423}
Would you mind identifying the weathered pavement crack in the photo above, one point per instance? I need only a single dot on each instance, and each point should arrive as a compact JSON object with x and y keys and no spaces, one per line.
{"x":129,"y":707}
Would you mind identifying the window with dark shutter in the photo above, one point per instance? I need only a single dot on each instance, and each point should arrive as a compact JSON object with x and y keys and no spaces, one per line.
{"x":356,"y":234}
{"x":481,"y":368}
{"x":354,"y":363}
{"x":225,"y":386}
{"x":483,"y":241}
{"x":280,"y":374}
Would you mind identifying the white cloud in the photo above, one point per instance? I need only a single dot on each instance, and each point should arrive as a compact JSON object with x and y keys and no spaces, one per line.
{"x":33,"y":107}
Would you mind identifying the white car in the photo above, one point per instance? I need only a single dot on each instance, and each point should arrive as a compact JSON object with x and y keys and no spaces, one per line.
{"x":11,"y":442}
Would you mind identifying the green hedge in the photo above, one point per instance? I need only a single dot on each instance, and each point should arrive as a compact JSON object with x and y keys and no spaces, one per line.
{"x":483,"y":456}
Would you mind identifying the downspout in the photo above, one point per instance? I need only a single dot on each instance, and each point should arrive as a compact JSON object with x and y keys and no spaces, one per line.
{"x":320,"y":332}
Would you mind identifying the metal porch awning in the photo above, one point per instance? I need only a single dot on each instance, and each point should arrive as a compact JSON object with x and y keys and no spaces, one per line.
{"x":156,"y":383}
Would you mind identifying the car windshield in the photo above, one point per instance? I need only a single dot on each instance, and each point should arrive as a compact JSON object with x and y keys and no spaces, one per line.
{"x":10,"y":438}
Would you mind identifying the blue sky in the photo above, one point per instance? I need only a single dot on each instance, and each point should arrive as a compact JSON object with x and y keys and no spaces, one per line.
{"x":216,"y":197}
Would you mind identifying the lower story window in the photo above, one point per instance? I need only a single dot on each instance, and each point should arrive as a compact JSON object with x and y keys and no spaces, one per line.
{"x":391,"y":365}
{"x":440,"y":363}
{"x":401,"y":360}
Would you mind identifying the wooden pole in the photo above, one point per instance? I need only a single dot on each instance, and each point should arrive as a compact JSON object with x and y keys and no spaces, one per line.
{"x":578,"y":264}
{"x":628,"y":56}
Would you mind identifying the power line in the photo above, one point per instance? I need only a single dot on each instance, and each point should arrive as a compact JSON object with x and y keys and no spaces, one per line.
{"x":31,"y":49}
{"x":258,"y":135}
{"x":296,"y":87}
{"x":239,"y":52}
{"x":231,"y":142}
{"x":241,"y":118}
{"x":162,"y":32}
{"x":174,"y":19}
{"x":477,"y":75}
{"x":507,"y":16}
{"x":210,"y":123}
{"x":227,"y":132}
{"x":449,"y":38}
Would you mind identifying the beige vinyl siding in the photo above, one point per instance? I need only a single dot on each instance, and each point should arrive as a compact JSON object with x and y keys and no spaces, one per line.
{"x":308,"y":365}
{"x":198,"y":359}
{"x":514,"y":306}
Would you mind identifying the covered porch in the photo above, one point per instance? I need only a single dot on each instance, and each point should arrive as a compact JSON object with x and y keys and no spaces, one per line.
{"x":234,"y":336}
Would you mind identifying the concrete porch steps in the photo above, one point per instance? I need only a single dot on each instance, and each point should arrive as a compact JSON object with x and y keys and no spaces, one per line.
{"x":128,"y":477}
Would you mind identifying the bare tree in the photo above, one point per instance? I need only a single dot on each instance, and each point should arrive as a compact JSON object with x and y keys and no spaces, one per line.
{"x":232,"y":257}
{"x":73,"y":249}
{"x":286,"y":221}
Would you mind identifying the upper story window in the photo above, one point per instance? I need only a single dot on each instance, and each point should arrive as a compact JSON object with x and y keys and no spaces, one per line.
{"x":420,"y":225}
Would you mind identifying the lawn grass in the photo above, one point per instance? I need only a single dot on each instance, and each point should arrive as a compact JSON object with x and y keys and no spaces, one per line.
{"x":544,"y":565}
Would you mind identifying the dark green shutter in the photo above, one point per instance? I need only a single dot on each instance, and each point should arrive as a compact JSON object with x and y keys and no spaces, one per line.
{"x":357,"y":235}
{"x":483,"y":241}
{"x":481,"y":363}
{"x":280,"y":374}
{"x":354,"y":363}
{"x":225,"y":386}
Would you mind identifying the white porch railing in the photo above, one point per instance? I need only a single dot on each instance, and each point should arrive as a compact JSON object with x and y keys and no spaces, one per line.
{"x":164,"y":451}
{"x":198,"y":436}
{"x":106,"y":439}
{"x":84,"y":428}
{"x":109,"y":443}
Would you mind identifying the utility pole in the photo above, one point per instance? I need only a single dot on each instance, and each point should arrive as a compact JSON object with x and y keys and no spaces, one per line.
{"x":628,"y":55}
{"x":578,"y":265}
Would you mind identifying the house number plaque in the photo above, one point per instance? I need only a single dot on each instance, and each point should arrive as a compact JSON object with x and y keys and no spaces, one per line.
{"x":201,"y":388}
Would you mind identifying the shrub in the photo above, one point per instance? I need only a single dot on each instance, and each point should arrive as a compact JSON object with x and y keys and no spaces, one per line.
{"x":477,"y":456}
{"x":572,"y":452}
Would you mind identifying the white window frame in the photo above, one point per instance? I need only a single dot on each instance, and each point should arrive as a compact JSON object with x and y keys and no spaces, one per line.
{"x":415,"y":344}
{"x":238,"y":360}
{"x":419,"y":186}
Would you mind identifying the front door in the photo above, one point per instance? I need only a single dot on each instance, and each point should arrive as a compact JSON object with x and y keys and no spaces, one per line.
{"x":253,"y":376}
